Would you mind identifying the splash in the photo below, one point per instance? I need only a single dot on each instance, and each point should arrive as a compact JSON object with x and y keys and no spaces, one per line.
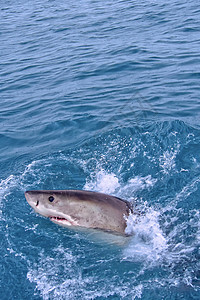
{"x":59,"y":276}
{"x":103,"y":182}
{"x":168,"y":160}
{"x":148,"y":242}
{"x":6,"y":185}
{"x":47,"y":272}
{"x":137,"y":183}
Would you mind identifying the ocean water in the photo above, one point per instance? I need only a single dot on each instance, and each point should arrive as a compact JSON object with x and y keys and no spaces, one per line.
{"x":103,"y":96}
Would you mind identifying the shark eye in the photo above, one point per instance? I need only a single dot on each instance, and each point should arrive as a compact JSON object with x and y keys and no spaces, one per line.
{"x":51,"y":198}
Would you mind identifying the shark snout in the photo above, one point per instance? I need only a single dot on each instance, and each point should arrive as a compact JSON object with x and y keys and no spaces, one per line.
{"x":31,"y":198}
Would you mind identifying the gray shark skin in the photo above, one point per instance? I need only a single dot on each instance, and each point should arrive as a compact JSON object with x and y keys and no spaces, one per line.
{"x":81,"y":208}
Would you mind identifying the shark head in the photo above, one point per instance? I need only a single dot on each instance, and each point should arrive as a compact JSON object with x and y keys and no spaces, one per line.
{"x":80,"y":208}
{"x":54,"y":205}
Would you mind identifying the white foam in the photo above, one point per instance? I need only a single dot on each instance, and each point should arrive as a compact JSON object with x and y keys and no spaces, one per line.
{"x":33,"y":174}
{"x":103,"y":182}
{"x":47,"y":274}
{"x":148,"y":242}
{"x":13,"y":181}
{"x":29,"y":168}
{"x":6,"y":184}
{"x":58,"y":276}
{"x":135,"y":184}
{"x":168,"y":160}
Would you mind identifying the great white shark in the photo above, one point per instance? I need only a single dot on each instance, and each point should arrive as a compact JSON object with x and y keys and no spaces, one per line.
{"x":81,"y":208}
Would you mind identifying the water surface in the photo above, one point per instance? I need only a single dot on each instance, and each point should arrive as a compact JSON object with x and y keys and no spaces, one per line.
{"x":101,"y":96}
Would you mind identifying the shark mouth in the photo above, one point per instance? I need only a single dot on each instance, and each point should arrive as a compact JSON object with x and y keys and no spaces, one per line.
{"x":62,"y":221}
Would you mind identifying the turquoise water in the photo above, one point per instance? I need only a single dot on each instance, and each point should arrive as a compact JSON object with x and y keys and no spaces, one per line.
{"x":104,"y":96}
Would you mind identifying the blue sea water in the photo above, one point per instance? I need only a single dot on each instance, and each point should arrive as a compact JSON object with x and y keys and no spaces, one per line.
{"x":103,"y":96}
